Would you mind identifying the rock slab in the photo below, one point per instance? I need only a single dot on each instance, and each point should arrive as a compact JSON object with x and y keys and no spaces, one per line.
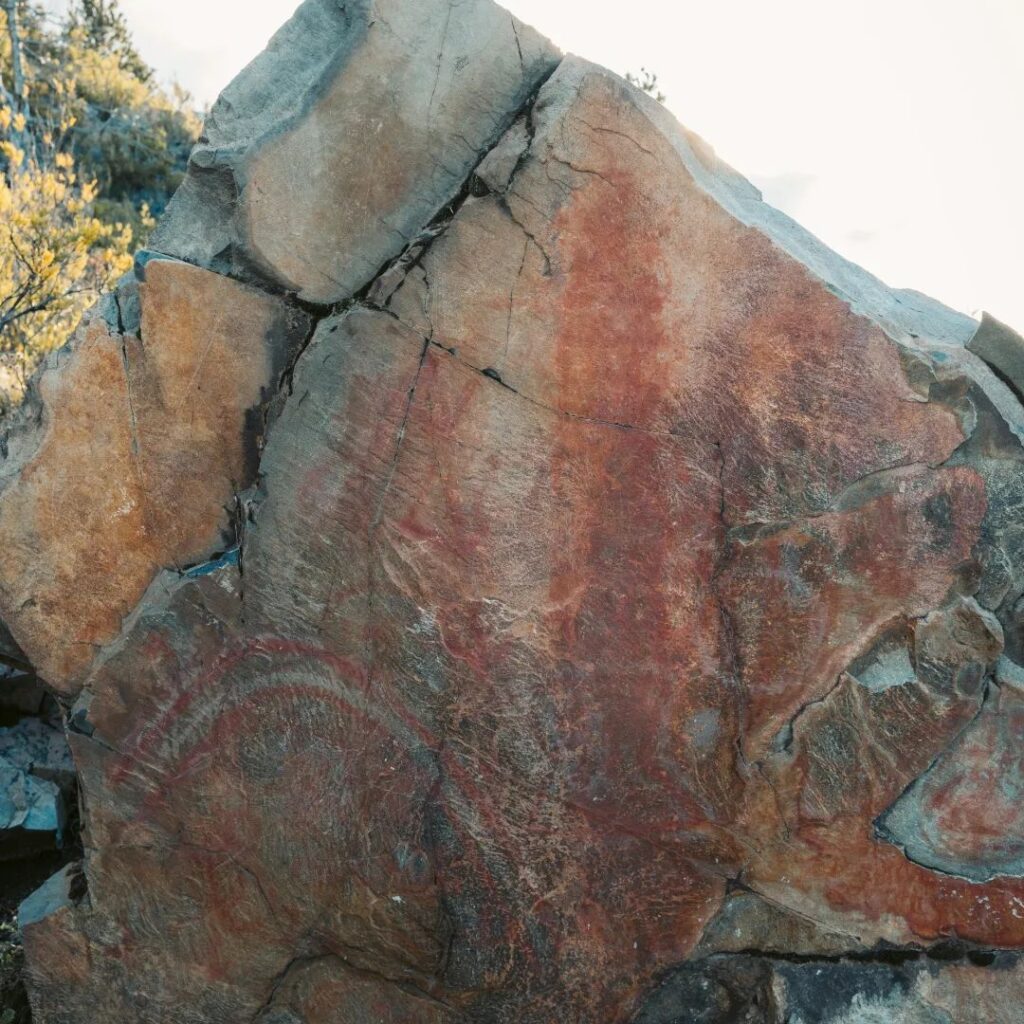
{"x":498,"y":570}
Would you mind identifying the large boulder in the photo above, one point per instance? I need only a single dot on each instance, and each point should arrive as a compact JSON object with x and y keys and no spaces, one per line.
{"x":499,"y":570}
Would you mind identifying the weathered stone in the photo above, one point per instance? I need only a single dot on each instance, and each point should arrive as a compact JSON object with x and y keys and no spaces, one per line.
{"x":328,"y":991}
{"x":21,"y":694}
{"x":27,"y":805}
{"x":144,"y":442}
{"x":37,"y":777}
{"x":620,"y":621}
{"x":34,"y":746}
{"x":362,"y":120}
{"x":748,"y":923}
{"x":56,"y":894}
{"x":889,"y":990}
{"x":964,"y":815}
{"x":496,"y":169}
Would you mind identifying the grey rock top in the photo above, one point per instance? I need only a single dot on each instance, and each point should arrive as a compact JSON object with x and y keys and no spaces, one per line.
{"x":359,"y":122}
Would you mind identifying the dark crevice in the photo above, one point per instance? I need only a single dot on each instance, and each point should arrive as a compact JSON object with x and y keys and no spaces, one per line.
{"x":519,"y":45}
{"x":118,"y":312}
{"x":531,"y":134}
{"x":282,"y":976}
{"x":945,"y":951}
{"x":491,"y":374}
{"x":285,"y":383}
{"x":217,"y":560}
{"x":297,"y":963}
{"x":28,"y":858}
{"x":511,"y":301}
{"x":399,"y":438}
{"x":577,"y":169}
{"x":504,"y":206}
{"x":495,"y":376}
{"x":603,"y":130}
{"x":417,"y":248}
{"x":132,"y":419}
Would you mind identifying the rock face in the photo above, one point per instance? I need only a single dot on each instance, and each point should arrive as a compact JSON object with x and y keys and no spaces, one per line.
{"x":498,"y":570}
{"x":169,"y":421}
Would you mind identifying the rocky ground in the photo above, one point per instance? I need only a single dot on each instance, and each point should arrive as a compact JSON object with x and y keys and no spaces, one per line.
{"x":21,"y":877}
{"x":39,"y":833}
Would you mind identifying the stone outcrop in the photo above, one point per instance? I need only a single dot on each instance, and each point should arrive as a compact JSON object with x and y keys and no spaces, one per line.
{"x":499,"y":570}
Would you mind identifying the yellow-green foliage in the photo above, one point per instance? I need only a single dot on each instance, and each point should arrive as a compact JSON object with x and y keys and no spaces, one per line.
{"x":89,"y":153}
{"x":129,"y":135}
{"x":56,"y":256}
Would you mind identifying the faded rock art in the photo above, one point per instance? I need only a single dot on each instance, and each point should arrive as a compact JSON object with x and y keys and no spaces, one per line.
{"x":520,"y":577}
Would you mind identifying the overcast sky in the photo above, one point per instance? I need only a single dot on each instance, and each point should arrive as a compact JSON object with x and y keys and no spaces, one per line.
{"x":893,"y":129}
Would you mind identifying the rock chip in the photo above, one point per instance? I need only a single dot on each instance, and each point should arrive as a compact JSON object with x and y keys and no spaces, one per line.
{"x":37,"y":776}
{"x":1002,"y":348}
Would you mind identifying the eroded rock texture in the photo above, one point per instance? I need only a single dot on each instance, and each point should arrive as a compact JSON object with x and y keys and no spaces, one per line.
{"x":498,"y":570}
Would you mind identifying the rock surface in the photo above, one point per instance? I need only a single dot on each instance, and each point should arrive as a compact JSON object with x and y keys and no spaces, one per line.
{"x":168,"y":422}
{"x":527,"y":578}
{"x":333,"y":149}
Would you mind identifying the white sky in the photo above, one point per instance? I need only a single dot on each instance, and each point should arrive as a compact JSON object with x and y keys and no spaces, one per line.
{"x":893,"y":129}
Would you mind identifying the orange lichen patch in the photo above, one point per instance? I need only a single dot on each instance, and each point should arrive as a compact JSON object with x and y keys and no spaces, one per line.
{"x":70,"y":546}
{"x":170,"y":425}
{"x":211,"y":353}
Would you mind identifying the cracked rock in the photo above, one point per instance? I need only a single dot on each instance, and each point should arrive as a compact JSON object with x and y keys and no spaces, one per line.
{"x":329,"y":152}
{"x":144,"y":441}
{"x":751,"y":990}
{"x":497,"y":569}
